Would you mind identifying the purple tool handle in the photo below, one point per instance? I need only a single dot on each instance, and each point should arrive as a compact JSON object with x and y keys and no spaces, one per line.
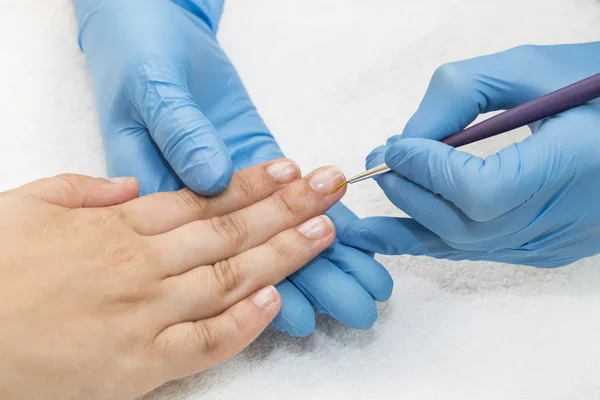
{"x":553,"y":103}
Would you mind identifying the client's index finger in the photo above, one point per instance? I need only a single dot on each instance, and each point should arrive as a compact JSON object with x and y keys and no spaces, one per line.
{"x":162,"y":212}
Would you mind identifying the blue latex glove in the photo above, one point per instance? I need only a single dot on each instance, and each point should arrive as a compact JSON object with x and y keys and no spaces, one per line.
{"x":173,"y":112}
{"x":534,"y":203}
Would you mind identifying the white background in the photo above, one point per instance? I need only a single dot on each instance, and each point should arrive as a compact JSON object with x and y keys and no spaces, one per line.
{"x":333,"y":79}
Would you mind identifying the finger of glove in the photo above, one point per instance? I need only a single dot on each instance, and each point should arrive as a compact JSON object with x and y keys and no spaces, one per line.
{"x":341,"y":216}
{"x":336,"y":293}
{"x":184,"y":135}
{"x":398,"y":236}
{"x":370,"y":274}
{"x":405,"y":236}
{"x":296,"y":317}
{"x":132,"y":152}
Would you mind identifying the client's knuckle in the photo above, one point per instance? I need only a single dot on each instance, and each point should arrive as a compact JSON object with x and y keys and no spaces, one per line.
{"x":236,"y":323}
{"x":232,"y":230}
{"x":191,"y":201}
{"x":131,"y":260}
{"x":227,"y":275}
{"x":282,"y":249}
{"x":245,"y":188}
{"x":123,"y":250}
{"x":67,"y":185}
{"x":113,"y":219}
{"x":206,"y":337}
{"x":136,"y":289}
{"x":111,"y":216}
{"x":147,"y":252}
{"x":288,"y":203}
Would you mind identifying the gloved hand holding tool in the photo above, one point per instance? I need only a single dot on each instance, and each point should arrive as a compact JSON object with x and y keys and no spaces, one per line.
{"x":533,"y":203}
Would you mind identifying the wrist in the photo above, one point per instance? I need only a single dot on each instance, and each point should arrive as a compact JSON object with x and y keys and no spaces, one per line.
{"x":208,"y":11}
{"x":84,"y":10}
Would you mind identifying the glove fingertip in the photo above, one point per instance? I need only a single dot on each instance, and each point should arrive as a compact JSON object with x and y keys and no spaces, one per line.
{"x":296,"y":316}
{"x":393,"y":139}
{"x":385,"y":289}
{"x":396,"y":152}
{"x":341,"y":216}
{"x":376,"y":157}
{"x":368,"y":319}
{"x":369,"y":273}
{"x":411,"y":155}
{"x":283,"y":325}
{"x":209,"y":178}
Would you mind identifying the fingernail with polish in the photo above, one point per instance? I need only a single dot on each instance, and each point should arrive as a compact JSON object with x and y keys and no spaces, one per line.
{"x":265,"y":297}
{"x":284,"y":171}
{"x":326,"y":179}
{"x":316,"y":228}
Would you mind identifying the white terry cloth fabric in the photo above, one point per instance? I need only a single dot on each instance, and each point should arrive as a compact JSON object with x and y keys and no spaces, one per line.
{"x":334,"y":79}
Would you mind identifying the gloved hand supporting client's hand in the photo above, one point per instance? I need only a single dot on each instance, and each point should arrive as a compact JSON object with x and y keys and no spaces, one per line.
{"x":173,"y":112}
{"x":533,"y":203}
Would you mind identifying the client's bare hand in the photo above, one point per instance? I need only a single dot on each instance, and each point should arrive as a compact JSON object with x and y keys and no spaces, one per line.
{"x":107,"y":296}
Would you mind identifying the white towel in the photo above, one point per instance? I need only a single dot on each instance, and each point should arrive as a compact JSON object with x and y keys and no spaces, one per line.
{"x":344,"y":75}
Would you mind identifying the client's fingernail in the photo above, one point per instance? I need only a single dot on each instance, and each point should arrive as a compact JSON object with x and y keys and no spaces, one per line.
{"x":265,"y":297}
{"x":326,"y":179}
{"x":284,"y":171}
{"x":316,"y":228}
{"x":122,"y":179}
